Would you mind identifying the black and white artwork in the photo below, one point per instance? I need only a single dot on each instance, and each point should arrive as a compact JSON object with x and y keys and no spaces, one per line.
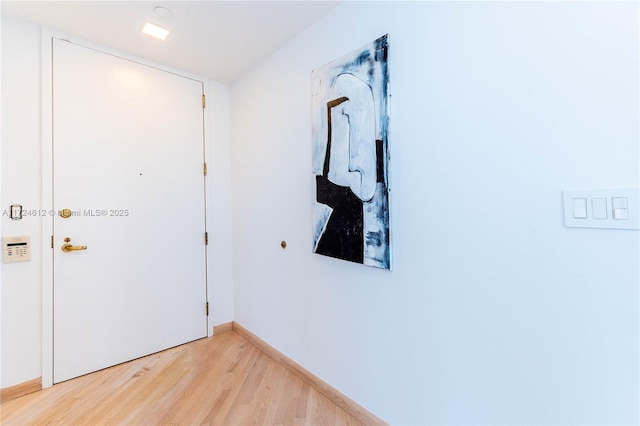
{"x":350,"y":160}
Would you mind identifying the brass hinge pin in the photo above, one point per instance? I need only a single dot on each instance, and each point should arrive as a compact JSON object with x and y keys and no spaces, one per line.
{"x":207,"y":308}
{"x":204,"y":101}
{"x":206,"y":238}
{"x":205,"y":169}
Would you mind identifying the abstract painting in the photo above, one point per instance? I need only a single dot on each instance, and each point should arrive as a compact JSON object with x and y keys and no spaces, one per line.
{"x":350,"y":162}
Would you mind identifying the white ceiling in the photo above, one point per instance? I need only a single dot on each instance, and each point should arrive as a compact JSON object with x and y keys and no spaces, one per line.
{"x":219,"y":40}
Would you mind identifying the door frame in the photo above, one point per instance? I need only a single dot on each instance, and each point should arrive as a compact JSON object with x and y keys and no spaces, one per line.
{"x":47,"y":181}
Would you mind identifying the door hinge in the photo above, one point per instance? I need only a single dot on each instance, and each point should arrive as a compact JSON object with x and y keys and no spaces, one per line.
{"x":204,"y":169}
{"x":52,"y":241}
{"x":206,"y":238}
{"x":207,"y":308}
{"x":204,"y":101}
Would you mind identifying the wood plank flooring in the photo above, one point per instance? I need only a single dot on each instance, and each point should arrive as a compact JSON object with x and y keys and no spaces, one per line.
{"x":222,"y":380}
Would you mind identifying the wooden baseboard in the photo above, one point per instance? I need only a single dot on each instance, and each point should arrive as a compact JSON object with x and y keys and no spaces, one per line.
{"x":221,"y":328}
{"x":306,"y":376}
{"x":21,"y":389}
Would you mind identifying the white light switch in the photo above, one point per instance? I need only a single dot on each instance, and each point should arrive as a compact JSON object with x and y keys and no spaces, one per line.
{"x":599,"y":208}
{"x":580,"y":208}
{"x":609,"y":208}
{"x":620,"y":210}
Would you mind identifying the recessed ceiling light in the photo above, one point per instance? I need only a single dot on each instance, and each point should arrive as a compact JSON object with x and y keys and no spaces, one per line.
{"x":163,"y":12}
{"x":155,"y":31}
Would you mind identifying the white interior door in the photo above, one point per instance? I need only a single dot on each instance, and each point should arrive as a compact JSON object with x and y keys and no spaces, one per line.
{"x":128,"y":154}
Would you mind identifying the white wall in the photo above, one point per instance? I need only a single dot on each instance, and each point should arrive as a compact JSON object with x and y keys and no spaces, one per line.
{"x":494,"y":313}
{"x":20,"y":293}
{"x":220,"y":267}
{"x":21,"y":289}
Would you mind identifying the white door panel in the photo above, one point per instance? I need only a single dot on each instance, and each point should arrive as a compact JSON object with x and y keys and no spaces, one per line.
{"x":127,"y":161}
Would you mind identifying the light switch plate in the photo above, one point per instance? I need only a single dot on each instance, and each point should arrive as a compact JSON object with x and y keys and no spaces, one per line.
{"x":621,"y":208}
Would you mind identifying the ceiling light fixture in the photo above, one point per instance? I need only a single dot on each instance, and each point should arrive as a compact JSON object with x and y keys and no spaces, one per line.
{"x":155,"y":31}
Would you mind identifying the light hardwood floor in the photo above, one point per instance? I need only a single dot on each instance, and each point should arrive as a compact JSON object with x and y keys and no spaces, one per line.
{"x":223,"y":380}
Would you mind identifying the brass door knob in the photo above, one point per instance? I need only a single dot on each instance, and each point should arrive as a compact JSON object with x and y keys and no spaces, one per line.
{"x":70,"y":247}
